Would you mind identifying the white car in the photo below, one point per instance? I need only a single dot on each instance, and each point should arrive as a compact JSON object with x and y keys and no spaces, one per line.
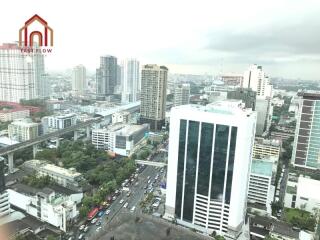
{"x":107,"y":212}
{"x":121,"y":201}
{"x":81,"y":236}
{"x":82,"y":227}
{"x":132,"y":209}
{"x":94,"y":221}
{"x":125,"y":205}
{"x":98,"y":229}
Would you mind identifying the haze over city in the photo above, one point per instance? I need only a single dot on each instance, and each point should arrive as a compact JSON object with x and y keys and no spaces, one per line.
{"x":193,"y":37}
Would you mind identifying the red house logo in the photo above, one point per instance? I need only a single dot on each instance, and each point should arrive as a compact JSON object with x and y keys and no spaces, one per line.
{"x":43,"y":35}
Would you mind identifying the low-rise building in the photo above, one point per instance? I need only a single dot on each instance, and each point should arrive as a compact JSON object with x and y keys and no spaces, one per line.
{"x":119,"y":138}
{"x":264,"y":148}
{"x":59,"y":121}
{"x":23,"y":130}
{"x":121,"y":117}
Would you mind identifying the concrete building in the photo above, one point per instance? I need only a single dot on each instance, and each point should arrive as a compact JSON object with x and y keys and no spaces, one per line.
{"x":23,"y":130}
{"x":210,"y":150}
{"x":265,"y":148}
{"x":121,"y":117}
{"x":130,"y":80}
{"x":181,"y":94}
{"x":302,"y":193}
{"x":256,"y":79}
{"x":58,"y":121}
{"x":79,"y":80}
{"x":232,"y":79}
{"x":68,"y":178}
{"x":306,"y":148}
{"x":106,"y":76}
{"x":246,"y":95}
{"x":119,"y":138}
{"x":11,"y":111}
{"x":22,"y":76}
{"x":44,"y":204}
{"x":153,"y":95}
{"x":4,"y":196}
{"x":261,"y":187}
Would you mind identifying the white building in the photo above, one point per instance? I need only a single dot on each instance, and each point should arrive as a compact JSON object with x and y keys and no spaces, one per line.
{"x":44,"y":204}
{"x":59,"y":121}
{"x":119,"y":138}
{"x":23,"y":130}
{"x":130,"y":80}
{"x":79,"y":80}
{"x":210,"y":151}
{"x":302,"y":193}
{"x":121,"y":117}
{"x":21,"y":75}
{"x":12,"y":114}
{"x":68,"y":178}
{"x":256,"y":79}
{"x":181,"y":94}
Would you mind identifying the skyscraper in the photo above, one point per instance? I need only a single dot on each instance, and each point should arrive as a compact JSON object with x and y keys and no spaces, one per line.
{"x":181,"y":94}
{"x":153,"y":95}
{"x":256,"y":79}
{"x":106,"y":75}
{"x":78,"y":80}
{"x":306,"y":148}
{"x":130,"y":80}
{"x":22,"y":75}
{"x":210,"y":150}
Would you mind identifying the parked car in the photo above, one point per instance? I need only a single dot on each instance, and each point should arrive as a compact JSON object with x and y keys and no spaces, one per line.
{"x":125,"y":205}
{"x":121,"y":201}
{"x":107,"y":212}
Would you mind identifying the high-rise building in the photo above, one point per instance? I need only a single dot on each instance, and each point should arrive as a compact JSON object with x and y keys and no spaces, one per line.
{"x":246,"y":95}
{"x":22,"y":75}
{"x":78,"y":80}
{"x":256,"y":79}
{"x":106,"y":75}
{"x":306,"y":148}
{"x":4,"y":196}
{"x":130,"y":80}
{"x":153,"y":95}
{"x":181,"y":94}
{"x":23,"y":129}
{"x":210,"y":152}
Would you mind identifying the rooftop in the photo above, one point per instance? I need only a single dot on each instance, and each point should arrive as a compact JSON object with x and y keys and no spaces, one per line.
{"x":306,"y":188}
{"x":128,"y":130}
{"x":261,"y":167}
{"x":271,"y":142}
{"x":284,"y":229}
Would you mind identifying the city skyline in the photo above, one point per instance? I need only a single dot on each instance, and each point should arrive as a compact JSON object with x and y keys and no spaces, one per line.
{"x":217,"y":42}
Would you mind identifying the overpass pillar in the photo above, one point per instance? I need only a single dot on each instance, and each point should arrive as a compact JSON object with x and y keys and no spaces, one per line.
{"x":34,"y":150}
{"x":88,"y":133}
{"x":10,"y":162}
{"x":75,"y":135}
{"x":57,"y":142}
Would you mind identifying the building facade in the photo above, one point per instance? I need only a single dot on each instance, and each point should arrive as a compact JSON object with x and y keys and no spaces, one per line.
{"x":130,"y":80}
{"x":23,"y":130}
{"x":79,"y":80}
{"x":22,"y":76}
{"x":106,"y":76}
{"x":264,"y":148}
{"x":153,"y":95}
{"x":181,"y":94}
{"x":210,"y":150}
{"x":4,"y":196}
{"x":306,"y":148}
{"x":59,"y":121}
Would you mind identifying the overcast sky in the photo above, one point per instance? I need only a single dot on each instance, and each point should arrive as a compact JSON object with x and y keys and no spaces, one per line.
{"x":187,"y":36}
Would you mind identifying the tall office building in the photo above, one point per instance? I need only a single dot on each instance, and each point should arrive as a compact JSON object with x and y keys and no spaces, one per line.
{"x":78,"y":80}
{"x":130,"y":80}
{"x":210,"y":150}
{"x":22,"y":75}
{"x":153,"y":95}
{"x":181,"y":94}
{"x":256,"y":79}
{"x":106,"y":75}
{"x":306,"y":149}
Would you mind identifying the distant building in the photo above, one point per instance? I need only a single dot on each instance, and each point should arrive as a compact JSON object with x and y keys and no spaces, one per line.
{"x":58,"y":121}
{"x":265,"y":148}
{"x":210,"y":150}
{"x":264,"y":110}
{"x":68,"y":178}
{"x":153,"y":95}
{"x":306,"y":148}
{"x":130,"y":84}
{"x":22,"y":76}
{"x":232,"y":79}
{"x":106,"y":75}
{"x":282,"y":136}
{"x":23,"y":130}
{"x":121,"y":117}
{"x":119,"y":138}
{"x":79,"y":80}
{"x":181,"y":94}
{"x":246,"y":95}
{"x":10,"y":112}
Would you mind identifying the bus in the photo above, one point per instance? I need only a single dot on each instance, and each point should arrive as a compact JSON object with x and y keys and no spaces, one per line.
{"x":92,"y":214}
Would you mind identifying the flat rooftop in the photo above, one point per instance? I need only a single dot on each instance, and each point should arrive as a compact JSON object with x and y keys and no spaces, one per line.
{"x":261,"y":167}
{"x":128,"y":130}
{"x":306,"y":188}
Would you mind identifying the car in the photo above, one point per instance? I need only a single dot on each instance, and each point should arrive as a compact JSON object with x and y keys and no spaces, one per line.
{"x":114,"y":198}
{"x":125,"y":205}
{"x":107,"y":212}
{"x":82,"y":227}
{"x":98,"y":229}
{"x":81,"y":236}
{"x":132,"y":209}
{"x":100,"y":214}
{"x":86,"y":229}
{"x":98,"y":223}
{"x":145,"y":187}
{"x":93,"y":221}
{"x":121,"y":201}
{"x":128,"y":194}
